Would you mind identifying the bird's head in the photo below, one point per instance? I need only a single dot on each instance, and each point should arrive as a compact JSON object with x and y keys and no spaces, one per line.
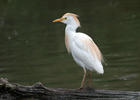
{"x":69,"y":19}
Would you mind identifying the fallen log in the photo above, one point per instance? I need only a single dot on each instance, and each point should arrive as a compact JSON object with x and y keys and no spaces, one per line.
{"x":14,"y":91}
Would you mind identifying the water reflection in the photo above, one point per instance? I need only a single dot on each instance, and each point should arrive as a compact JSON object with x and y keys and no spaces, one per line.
{"x":32,"y":48}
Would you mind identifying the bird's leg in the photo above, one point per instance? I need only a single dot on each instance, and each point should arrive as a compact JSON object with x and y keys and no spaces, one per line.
{"x":84,"y":78}
{"x":90,"y":79}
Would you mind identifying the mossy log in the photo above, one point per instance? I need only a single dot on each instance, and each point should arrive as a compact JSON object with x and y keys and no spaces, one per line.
{"x":14,"y":91}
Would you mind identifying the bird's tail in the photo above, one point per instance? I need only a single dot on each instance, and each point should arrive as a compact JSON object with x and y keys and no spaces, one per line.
{"x":98,"y":67}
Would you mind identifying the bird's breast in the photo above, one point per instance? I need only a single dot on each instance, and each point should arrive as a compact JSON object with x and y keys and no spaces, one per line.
{"x":67,"y":42}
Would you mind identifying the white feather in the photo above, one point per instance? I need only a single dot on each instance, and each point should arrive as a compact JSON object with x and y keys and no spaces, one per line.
{"x":83,"y":55}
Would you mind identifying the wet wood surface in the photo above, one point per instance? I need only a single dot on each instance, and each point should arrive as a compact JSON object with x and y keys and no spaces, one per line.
{"x":14,"y":91}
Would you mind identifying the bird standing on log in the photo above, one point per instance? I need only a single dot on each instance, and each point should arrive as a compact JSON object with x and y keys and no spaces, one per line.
{"x":82,"y":48}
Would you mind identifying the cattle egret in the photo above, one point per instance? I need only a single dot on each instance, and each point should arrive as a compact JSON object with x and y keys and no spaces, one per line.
{"x":82,"y":48}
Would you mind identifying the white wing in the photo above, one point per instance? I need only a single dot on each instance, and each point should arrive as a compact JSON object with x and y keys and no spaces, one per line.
{"x":86,"y":53}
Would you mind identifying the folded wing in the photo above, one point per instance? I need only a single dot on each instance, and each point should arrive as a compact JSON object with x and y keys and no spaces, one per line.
{"x":89,"y":52}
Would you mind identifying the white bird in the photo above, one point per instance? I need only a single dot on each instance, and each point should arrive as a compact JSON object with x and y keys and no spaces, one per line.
{"x":82,"y":48}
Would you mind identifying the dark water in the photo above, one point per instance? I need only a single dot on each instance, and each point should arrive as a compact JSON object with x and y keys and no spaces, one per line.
{"x":32,"y":47}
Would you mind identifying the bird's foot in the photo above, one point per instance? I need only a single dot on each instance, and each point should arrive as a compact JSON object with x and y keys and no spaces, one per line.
{"x":89,"y":88}
{"x":86,"y":89}
{"x":80,"y":89}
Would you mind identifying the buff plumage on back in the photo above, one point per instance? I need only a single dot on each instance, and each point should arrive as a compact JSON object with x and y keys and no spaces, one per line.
{"x":74,"y":16}
{"x":90,"y":46}
{"x":93,"y":49}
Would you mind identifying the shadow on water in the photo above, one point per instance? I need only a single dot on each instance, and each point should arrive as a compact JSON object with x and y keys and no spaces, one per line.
{"x":32,"y":47}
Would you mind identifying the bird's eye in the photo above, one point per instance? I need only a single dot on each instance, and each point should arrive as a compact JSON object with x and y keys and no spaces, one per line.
{"x":65,"y":18}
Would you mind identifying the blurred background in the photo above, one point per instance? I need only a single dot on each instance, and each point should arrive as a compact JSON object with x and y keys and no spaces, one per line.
{"x":32,"y":48}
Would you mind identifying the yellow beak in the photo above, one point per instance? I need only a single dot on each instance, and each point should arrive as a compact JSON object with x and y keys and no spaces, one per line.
{"x":58,"y":20}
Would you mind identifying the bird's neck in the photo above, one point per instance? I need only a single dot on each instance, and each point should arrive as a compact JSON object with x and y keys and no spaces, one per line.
{"x":70,"y":28}
{"x":70,"y":31}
